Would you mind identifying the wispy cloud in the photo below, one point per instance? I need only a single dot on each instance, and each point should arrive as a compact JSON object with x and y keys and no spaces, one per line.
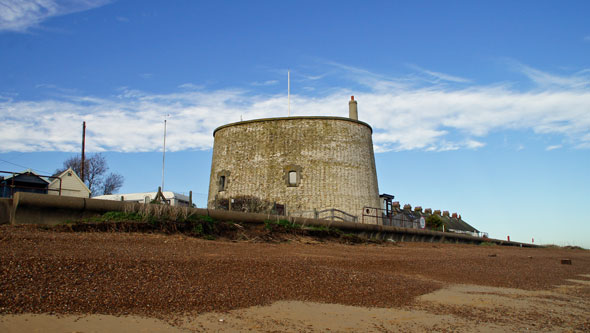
{"x":191,"y":86}
{"x":313,"y":77}
{"x":553,"y":147}
{"x":587,"y":38}
{"x":265,"y":83}
{"x":21,"y":15}
{"x":438,"y":76}
{"x":543,"y":79}
{"x":432,"y":117}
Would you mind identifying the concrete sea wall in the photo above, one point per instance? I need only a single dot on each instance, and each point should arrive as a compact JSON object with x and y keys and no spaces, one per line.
{"x":32,"y":208}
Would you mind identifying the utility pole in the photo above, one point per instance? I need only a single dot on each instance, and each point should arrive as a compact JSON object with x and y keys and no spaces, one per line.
{"x":289,"y":90}
{"x":83,"y":147}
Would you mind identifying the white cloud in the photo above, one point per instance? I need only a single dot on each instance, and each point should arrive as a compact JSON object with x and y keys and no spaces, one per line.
{"x":191,"y":86}
{"x":438,"y":76}
{"x":553,"y":147}
{"x":545,"y":80}
{"x":265,"y":83}
{"x":21,"y":15}
{"x":431,"y":118}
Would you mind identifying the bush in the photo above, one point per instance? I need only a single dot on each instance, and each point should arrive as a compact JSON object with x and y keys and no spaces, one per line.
{"x":434,"y":222}
{"x":280,"y":225}
{"x":246,"y":204}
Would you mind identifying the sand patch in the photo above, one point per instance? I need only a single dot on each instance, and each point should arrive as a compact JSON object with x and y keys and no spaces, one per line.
{"x":87,"y":324}
{"x":458,"y":308}
{"x":584,"y":282}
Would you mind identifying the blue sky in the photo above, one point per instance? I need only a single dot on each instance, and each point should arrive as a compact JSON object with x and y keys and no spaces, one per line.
{"x":480,"y":108}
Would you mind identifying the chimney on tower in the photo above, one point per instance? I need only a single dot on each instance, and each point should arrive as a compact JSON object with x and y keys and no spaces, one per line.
{"x":352,"y":109}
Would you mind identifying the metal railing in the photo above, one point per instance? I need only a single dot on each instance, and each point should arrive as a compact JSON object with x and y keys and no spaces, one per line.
{"x":331,"y":214}
{"x":395,"y":219}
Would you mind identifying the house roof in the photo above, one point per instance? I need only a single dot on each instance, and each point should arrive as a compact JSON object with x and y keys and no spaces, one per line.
{"x":27,"y":172}
{"x":458,"y":224}
{"x":55,"y":180}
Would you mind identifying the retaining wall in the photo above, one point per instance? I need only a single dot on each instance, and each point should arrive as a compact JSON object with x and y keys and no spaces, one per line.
{"x":33,"y":208}
{"x":5,"y":209}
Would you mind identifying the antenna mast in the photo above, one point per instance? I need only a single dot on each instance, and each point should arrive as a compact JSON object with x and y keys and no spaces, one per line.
{"x":164,"y":153}
{"x":289,"y":90}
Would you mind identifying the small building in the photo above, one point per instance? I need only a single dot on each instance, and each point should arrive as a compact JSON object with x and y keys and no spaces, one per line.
{"x":69,"y":184}
{"x":173,"y":198}
{"x":26,"y":181}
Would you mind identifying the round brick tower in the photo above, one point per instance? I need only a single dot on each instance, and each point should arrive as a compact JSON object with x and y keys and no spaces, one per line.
{"x":301,"y":163}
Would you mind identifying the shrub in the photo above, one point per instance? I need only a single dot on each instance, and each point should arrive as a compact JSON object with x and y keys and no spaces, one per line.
{"x":282,"y":225}
{"x":434,"y":222}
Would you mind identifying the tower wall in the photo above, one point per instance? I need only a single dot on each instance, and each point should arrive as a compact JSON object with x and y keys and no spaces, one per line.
{"x":332,"y":158}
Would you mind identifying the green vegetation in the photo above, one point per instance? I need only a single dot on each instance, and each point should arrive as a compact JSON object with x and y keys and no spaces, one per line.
{"x":171,"y":220}
{"x":434,"y":222}
{"x":153,"y":218}
{"x":112,"y":217}
{"x":323,"y":230}
{"x":280,"y":225}
{"x":246,"y":204}
{"x":318,"y":228}
{"x":487,"y":244}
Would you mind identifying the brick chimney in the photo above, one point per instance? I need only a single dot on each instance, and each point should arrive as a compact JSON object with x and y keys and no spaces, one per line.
{"x":418,"y":209}
{"x":352,"y":109}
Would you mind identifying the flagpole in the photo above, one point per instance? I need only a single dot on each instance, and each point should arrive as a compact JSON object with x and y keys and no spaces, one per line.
{"x":164,"y":153}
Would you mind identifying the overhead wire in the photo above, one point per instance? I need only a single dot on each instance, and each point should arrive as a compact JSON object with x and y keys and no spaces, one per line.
{"x":22,"y":166}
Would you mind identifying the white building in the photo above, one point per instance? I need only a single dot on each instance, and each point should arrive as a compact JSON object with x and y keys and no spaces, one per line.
{"x":175,"y":199}
{"x":71,"y":185}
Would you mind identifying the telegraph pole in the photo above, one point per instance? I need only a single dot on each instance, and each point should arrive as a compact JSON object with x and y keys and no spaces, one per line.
{"x":83,"y":147}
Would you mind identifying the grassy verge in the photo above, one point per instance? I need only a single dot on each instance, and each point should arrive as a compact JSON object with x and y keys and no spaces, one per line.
{"x":172,"y":220}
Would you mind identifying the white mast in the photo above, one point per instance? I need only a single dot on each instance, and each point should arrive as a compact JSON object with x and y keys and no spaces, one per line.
{"x":164,"y":152}
{"x":289,"y":90}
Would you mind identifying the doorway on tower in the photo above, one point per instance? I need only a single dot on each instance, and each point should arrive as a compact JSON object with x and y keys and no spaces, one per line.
{"x":387,"y":204}
{"x":278,"y":209}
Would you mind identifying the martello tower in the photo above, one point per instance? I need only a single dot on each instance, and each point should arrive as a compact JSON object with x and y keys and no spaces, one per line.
{"x":303,"y":163}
